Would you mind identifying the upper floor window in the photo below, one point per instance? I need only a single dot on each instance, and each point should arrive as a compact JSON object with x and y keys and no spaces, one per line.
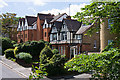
{"x":63,"y":26}
{"x":64,"y":36}
{"x":110,"y":23}
{"x":45,"y":34}
{"x":78,"y":36}
{"x":25,"y":35}
{"x":54,"y":36}
{"x":45,"y":25}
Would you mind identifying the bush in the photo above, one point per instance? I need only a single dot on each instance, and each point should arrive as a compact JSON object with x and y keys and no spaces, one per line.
{"x":24,"y":56}
{"x":105,"y":65}
{"x":55,"y":51}
{"x":6,"y":44}
{"x":52,"y":63}
{"x":45,"y":54}
{"x":13,"y":42}
{"x":9,"y":53}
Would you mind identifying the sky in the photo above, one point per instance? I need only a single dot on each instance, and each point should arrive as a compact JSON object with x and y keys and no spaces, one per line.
{"x":32,"y":7}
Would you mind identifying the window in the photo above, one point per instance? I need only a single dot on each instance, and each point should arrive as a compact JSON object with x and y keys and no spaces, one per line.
{"x":45,"y":25}
{"x":109,"y":41}
{"x":95,"y":43}
{"x":63,"y":26}
{"x":54,"y":36}
{"x":78,"y":36}
{"x":109,"y":23}
{"x":59,"y":49}
{"x":45,"y":34}
{"x":73,"y":35}
{"x":25,"y":35}
{"x":64,"y":36}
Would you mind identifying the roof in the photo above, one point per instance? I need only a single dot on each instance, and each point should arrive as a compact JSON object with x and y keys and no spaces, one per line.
{"x":72,"y":25}
{"x":83,"y":29}
{"x":58,"y":25}
{"x":31,"y":20}
{"x":57,"y":17}
{"x":44,"y":16}
{"x":48,"y":20}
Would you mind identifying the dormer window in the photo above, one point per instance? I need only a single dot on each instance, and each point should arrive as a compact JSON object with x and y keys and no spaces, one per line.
{"x":45,"y":25}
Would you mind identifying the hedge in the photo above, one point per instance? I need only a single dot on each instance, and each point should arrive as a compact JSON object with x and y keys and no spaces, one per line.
{"x":9,"y":53}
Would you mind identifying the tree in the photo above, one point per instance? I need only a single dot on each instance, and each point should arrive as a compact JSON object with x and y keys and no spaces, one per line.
{"x":7,"y":20}
{"x":101,"y":10}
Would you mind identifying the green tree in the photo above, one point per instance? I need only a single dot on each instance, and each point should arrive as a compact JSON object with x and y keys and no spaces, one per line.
{"x":101,"y":10}
{"x":7,"y":20}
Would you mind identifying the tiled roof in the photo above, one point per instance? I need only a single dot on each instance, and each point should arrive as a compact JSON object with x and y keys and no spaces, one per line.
{"x":31,"y":20}
{"x":58,"y":25}
{"x":57,"y":17}
{"x":83,"y":29}
{"x":49,"y":19}
{"x":43,"y":16}
{"x":72,"y":25}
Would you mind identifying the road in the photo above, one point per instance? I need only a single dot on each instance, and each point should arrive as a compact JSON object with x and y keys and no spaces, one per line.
{"x":8,"y":73}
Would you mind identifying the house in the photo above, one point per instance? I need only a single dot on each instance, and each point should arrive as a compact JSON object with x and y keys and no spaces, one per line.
{"x":105,"y":36}
{"x":63,"y":37}
{"x":89,"y":43}
{"x":26,"y":30}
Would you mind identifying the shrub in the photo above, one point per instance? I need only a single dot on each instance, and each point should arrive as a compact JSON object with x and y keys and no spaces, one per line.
{"x":52,"y":63}
{"x":55,"y":51}
{"x":24,"y":56}
{"x":105,"y":65}
{"x":9,"y":53}
{"x":6,"y":44}
{"x":13,"y":42}
{"x":45,"y":54}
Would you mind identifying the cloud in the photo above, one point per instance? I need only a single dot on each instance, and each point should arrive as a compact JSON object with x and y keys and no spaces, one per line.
{"x":3,"y":3}
{"x":39,"y":2}
{"x":73,"y":10}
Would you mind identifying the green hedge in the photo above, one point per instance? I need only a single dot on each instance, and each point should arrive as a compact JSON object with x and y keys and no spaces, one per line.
{"x":52,"y":63}
{"x":55,"y":51}
{"x":6,"y":44}
{"x":9,"y":53}
{"x":24,"y":56}
{"x":105,"y":65}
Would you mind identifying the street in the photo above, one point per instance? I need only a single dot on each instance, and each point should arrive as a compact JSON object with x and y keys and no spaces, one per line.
{"x":8,"y":73}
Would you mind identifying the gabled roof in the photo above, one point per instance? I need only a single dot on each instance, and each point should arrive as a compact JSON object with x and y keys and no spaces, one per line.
{"x":43,"y":16}
{"x":83,"y":29}
{"x":31,"y":20}
{"x":48,"y":19}
{"x":58,"y":25}
{"x":57,"y":17}
{"x":72,"y":25}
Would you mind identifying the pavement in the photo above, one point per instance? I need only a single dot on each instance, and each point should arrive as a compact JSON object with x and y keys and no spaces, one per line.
{"x":25,"y":72}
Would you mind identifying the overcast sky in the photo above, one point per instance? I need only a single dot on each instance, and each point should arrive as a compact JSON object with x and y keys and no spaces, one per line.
{"x":32,"y":7}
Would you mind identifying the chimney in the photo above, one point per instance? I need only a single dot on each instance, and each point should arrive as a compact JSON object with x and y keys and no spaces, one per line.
{"x":68,"y":17}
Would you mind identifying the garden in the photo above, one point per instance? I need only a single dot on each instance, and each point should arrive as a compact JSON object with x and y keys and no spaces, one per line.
{"x":47,"y":62}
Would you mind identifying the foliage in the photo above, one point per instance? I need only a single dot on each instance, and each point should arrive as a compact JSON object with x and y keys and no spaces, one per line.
{"x":55,"y":51}
{"x":8,"y":19}
{"x":9,"y":53}
{"x":32,"y":47}
{"x":101,"y":10}
{"x":45,"y":54}
{"x":6,"y":44}
{"x":24,"y":56}
{"x":13,"y":42}
{"x":105,"y":65}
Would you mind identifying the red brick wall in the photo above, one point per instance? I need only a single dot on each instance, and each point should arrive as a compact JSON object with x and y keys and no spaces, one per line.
{"x":39,"y":29}
{"x":46,"y":30}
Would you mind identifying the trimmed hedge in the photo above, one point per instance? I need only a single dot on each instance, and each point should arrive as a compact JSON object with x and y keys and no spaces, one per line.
{"x":24,"y":56}
{"x":9,"y":53}
{"x":6,"y":44}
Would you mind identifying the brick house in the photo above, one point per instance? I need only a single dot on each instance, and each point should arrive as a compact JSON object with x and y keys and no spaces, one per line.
{"x":26,"y":30}
{"x":105,"y":36}
{"x":63,"y":37}
{"x":89,"y":43}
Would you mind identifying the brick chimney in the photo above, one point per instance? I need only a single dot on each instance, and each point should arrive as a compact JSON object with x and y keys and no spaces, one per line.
{"x":68,"y":17}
